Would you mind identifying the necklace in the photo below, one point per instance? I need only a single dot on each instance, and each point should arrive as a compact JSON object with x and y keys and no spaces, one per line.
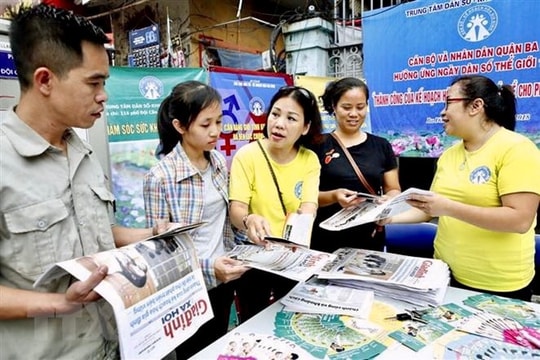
{"x":466,"y":152}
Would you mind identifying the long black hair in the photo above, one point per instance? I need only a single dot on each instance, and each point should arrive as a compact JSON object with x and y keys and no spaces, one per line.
{"x":185,"y":102}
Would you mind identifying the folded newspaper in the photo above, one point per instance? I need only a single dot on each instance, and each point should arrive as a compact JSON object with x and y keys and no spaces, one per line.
{"x":317,"y":296}
{"x":155,"y":288}
{"x":370,"y":211}
{"x":297,"y":230}
{"x":293,"y":262}
{"x":412,"y":279}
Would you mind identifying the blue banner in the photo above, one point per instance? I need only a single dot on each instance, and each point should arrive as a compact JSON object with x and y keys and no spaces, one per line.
{"x":7,"y":66}
{"x":246,"y":96}
{"x":427,"y":43}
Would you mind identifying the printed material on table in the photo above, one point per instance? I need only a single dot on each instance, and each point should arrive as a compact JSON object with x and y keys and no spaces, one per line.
{"x":156,"y":290}
{"x":416,"y":280}
{"x":326,"y":335}
{"x":519,"y":310}
{"x":416,"y":335}
{"x":449,"y":313}
{"x":297,"y":230}
{"x":252,"y":346}
{"x":316,"y":296}
{"x":470,"y":346}
{"x":500,"y":328}
{"x":369,"y":211}
{"x":297,"y":263}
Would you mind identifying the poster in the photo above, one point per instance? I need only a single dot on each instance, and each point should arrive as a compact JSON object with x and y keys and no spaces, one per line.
{"x":246,"y":96}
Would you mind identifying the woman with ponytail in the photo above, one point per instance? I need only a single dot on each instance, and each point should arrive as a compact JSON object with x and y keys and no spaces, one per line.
{"x":190,"y":185}
{"x":487,"y":191}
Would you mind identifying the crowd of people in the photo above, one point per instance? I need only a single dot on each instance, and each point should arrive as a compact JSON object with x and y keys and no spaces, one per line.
{"x":55,"y":204}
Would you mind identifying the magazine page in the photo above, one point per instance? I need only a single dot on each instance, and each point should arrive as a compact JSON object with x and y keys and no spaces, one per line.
{"x":156,"y":289}
{"x":297,"y":230}
{"x":293,"y":262}
{"x":317,"y":296}
{"x":369,"y":211}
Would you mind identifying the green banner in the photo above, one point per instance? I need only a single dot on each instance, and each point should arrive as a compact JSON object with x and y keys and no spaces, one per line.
{"x":134,"y":98}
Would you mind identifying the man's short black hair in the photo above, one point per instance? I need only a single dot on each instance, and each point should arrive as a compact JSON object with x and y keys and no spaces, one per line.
{"x":48,"y":36}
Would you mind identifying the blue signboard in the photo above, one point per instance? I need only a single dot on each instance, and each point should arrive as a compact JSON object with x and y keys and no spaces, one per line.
{"x":144,"y":37}
{"x":430,"y":42}
{"x":7,"y":66}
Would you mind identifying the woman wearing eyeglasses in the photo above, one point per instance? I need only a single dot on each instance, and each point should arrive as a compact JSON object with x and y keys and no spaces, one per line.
{"x":487,"y":192}
{"x":270,"y":178}
{"x":347,"y":99}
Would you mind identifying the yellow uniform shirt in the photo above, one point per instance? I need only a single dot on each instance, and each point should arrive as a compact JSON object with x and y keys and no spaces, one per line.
{"x":499,"y":261}
{"x":252,"y":183}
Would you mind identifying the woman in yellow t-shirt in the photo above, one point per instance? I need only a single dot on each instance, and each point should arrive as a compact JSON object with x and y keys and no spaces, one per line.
{"x":271,"y":178}
{"x":486,"y":192}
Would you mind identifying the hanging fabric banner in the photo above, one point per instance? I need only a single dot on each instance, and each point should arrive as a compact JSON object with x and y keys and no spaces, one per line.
{"x":131,"y":112}
{"x":427,"y":43}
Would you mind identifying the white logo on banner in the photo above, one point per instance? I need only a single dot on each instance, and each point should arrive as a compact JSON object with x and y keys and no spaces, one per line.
{"x":477,"y":23}
{"x":151,"y":87}
{"x":256,"y":106}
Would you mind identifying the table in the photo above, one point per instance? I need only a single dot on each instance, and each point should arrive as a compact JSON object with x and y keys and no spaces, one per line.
{"x":263,"y":323}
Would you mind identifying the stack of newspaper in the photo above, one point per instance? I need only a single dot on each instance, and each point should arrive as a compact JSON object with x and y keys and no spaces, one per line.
{"x":317,"y":296}
{"x":416,"y":280}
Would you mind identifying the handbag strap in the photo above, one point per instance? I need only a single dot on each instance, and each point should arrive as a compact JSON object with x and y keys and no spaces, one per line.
{"x":273,"y":177}
{"x":354,"y":166}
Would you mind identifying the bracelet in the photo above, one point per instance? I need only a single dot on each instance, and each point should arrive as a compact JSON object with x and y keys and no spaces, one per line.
{"x":244,"y":220}
{"x":154,"y":230}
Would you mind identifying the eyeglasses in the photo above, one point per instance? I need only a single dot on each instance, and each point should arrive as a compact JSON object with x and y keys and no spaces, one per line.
{"x":456,"y":99}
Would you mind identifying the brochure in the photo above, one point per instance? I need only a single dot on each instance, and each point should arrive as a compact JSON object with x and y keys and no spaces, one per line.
{"x":297,"y":230}
{"x":370,"y":211}
{"x":155,"y":288}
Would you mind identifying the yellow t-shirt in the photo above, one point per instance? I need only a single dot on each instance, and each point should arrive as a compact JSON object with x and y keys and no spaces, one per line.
{"x":499,"y":261}
{"x":251,"y":183}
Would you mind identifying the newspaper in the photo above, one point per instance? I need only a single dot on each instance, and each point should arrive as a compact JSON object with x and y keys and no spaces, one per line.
{"x":297,"y":230}
{"x":156,"y":290}
{"x":370,"y":211}
{"x":293,"y":262}
{"x":317,"y":296}
{"x":408,"y":278}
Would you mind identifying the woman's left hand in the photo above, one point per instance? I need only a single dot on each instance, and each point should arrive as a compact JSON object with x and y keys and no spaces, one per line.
{"x":433,"y":205}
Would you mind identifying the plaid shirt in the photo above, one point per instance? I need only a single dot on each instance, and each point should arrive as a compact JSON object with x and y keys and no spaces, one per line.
{"x":174,"y":189}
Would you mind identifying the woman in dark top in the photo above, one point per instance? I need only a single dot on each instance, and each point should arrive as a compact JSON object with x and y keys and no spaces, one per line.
{"x":347,"y":100}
